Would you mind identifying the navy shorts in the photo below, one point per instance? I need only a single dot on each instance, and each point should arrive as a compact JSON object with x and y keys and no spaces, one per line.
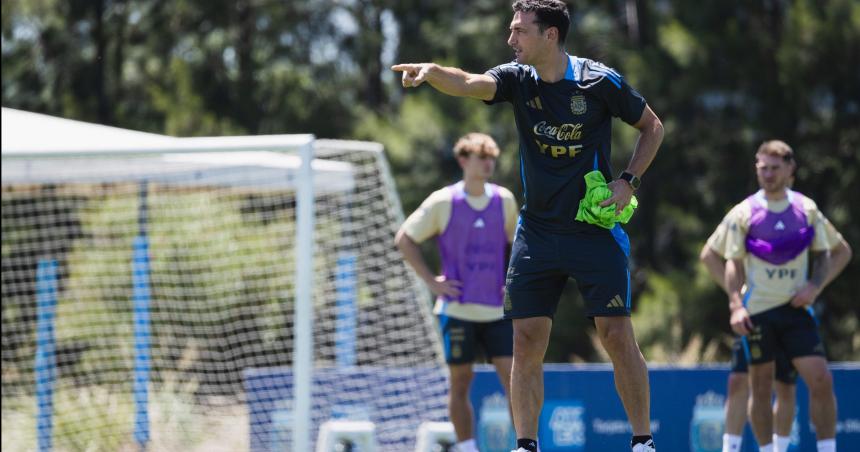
{"x":785,"y":328}
{"x":541,"y":262}
{"x":462,"y":339}
{"x":785,"y":371}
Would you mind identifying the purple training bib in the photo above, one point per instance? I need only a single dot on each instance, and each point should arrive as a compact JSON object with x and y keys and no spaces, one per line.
{"x":778,"y":237}
{"x":473,"y":248}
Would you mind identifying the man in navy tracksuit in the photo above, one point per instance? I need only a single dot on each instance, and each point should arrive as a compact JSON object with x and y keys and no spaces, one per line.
{"x":563,"y":106}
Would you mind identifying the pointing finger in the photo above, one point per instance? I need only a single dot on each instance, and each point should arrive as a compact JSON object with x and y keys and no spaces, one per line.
{"x":422,"y":75}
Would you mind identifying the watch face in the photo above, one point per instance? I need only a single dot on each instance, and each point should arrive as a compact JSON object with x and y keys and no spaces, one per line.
{"x":631,"y":179}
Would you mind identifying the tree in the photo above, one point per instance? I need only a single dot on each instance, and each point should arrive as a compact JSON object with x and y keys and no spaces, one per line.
{"x":723,"y":76}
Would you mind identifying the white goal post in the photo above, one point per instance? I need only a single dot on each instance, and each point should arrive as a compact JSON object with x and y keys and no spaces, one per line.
{"x":205,"y":222}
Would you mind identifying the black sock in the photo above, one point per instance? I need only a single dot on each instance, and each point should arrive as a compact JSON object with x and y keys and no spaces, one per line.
{"x":642,"y":439}
{"x":527,"y":444}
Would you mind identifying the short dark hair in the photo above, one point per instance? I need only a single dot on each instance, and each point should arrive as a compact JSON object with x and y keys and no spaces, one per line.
{"x":776,"y":148}
{"x":549,"y":13}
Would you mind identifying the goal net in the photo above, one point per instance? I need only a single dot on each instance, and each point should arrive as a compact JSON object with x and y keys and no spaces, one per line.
{"x":149,"y":301}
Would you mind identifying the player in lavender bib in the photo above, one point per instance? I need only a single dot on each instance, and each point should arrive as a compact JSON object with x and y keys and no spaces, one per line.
{"x":473,"y":248}
{"x":737,"y":390}
{"x":473,"y":222}
{"x":780,"y":253}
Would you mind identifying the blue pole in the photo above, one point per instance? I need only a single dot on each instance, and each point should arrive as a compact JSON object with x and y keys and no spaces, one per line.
{"x":46,"y":362}
{"x":141,"y":319}
{"x":346,"y":311}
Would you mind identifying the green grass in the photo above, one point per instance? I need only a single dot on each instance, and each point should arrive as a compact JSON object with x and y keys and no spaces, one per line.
{"x":96,"y":419}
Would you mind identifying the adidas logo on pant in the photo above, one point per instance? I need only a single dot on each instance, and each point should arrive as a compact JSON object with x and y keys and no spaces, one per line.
{"x":615,"y":302}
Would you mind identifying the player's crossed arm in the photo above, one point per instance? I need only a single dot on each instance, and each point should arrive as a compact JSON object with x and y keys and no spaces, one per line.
{"x":449,"y":80}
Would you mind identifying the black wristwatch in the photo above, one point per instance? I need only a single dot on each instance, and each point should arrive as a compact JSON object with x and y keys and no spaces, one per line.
{"x":631,"y":179}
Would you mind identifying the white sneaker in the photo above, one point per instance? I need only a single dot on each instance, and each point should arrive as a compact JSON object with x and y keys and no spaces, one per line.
{"x":647,"y":447}
{"x":523,"y":449}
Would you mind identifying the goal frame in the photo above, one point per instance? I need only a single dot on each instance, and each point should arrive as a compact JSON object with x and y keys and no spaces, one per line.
{"x":304,"y":248}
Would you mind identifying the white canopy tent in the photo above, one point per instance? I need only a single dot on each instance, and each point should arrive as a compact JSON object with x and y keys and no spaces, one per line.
{"x":38,"y":148}
{"x":65,"y":150}
{"x":26,"y":132}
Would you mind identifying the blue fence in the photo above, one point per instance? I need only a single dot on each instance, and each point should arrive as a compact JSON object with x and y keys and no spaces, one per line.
{"x":396,"y":400}
{"x":581,"y":413}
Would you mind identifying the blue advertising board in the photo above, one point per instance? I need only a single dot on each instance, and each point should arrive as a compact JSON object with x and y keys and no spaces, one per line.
{"x":396,"y":400}
{"x":583,"y":412}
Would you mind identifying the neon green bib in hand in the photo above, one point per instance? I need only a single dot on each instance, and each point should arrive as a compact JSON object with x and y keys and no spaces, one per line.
{"x":597,"y":191}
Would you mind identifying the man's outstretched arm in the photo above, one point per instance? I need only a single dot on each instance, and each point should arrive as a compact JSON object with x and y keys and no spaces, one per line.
{"x":449,"y":80}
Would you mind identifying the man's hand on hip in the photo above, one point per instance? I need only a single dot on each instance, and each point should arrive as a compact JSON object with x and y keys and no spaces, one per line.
{"x":442,"y":287}
{"x":621,"y":194}
{"x":805,"y":296}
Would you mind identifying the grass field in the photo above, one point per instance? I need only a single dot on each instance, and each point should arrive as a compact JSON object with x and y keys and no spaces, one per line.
{"x":94,"y":419}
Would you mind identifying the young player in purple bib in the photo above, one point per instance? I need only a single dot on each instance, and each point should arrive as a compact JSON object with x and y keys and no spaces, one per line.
{"x":473,"y":222}
{"x":474,"y":246}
